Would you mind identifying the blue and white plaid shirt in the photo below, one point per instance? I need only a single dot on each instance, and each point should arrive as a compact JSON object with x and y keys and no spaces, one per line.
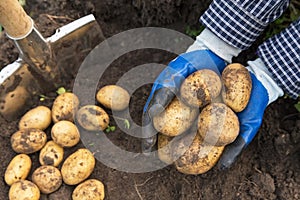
{"x":239,"y":23}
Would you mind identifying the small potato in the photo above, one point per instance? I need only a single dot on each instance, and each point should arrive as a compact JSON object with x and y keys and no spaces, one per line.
{"x":38,"y":117}
{"x":47,"y":178}
{"x":237,"y":86}
{"x":218,"y":125}
{"x":92,"y":118}
{"x":51,"y":154}
{"x":113,"y":97}
{"x":175,"y":119}
{"x":65,"y":133}
{"x":198,"y":89}
{"x":164,"y":151}
{"x":78,"y":166}
{"x":28,"y":140}
{"x":18,"y":169}
{"x":64,"y":107}
{"x":24,"y":190}
{"x":91,"y":189}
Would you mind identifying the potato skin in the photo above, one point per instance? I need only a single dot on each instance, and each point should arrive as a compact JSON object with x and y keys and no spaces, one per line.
{"x":92,"y":118}
{"x":24,"y":190}
{"x":164,"y":153}
{"x":113,"y":97}
{"x":47,"y":178}
{"x":51,"y":154}
{"x":64,"y":107}
{"x":218,"y":125}
{"x":65,"y":133}
{"x":78,"y":166}
{"x":237,"y":86}
{"x":18,"y":169}
{"x":175,"y":119}
{"x":199,"y":88}
{"x":89,"y":189}
{"x":28,"y":141}
{"x":38,"y":117}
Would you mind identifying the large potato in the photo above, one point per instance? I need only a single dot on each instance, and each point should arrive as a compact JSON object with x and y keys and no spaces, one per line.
{"x":51,"y":154}
{"x":91,"y":189}
{"x":28,"y":140}
{"x":92,"y":118}
{"x":38,"y":117}
{"x":218,"y":125}
{"x":175,"y":119}
{"x":199,"y":88}
{"x":113,"y":97}
{"x":18,"y":169}
{"x":237,"y":86}
{"x":64,"y":107}
{"x":78,"y":166}
{"x":24,"y":190}
{"x":47,"y":178}
{"x":65,"y":133}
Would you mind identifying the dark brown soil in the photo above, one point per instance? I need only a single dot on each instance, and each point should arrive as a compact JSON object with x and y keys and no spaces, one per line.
{"x":268,"y":169}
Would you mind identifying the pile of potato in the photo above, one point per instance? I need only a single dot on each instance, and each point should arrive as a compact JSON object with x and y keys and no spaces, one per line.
{"x":202,"y":120}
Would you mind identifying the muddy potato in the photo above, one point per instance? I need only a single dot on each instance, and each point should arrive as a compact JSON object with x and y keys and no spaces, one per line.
{"x":218,"y":125}
{"x":91,"y":189}
{"x":24,"y":190}
{"x":78,"y":166}
{"x":65,"y":133}
{"x":64,"y":107}
{"x":47,"y":178}
{"x":92,"y":118}
{"x":175,"y":119}
{"x":38,"y":117}
{"x":18,"y":169}
{"x":198,"y":89}
{"x":28,"y":140}
{"x":237,"y":86}
{"x":113,"y":97}
{"x":51,"y":154}
{"x":164,"y":151}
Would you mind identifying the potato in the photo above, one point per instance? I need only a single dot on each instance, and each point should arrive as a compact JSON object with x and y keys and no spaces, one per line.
{"x":28,"y":140}
{"x":197,"y":158}
{"x":78,"y":166}
{"x":92,"y":118}
{"x":64,"y":107}
{"x":18,"y":169}
{"x":175,"y":119}
{"x":218,"y":125}
{"x":65,"y":133}
{"x":47,"y":178}
{"x":164,"y":152}
{"x":113,"y":97}
{"x":237,"y":86}
{"x":51,"y":154}
{"x":24,"y":190}
{"x":38,"y":117}
{"x":91,"y":189}
{"x":199,"y":88}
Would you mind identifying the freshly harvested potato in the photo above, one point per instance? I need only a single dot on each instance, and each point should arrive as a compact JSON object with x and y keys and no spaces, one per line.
{"x":65,"y":133}
{"x":199,"y":88}
{"x":237,"y":86}
{"x":92,"y":118}
{"x":47,"y":178}
{"x":175,"y":119}
{"x":113,"y":97}
{"x":18,"y":169}
{"x":218,"y":125}
{"x":64,"y":107}
{"x":38,"y":117}
{"x":78,"y":166}
{"x":28,"y":140}
{"x":91,"y":189}
{"x":51,"y":154}
{"x":24,"y":190}
{"x":164,"y":151}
